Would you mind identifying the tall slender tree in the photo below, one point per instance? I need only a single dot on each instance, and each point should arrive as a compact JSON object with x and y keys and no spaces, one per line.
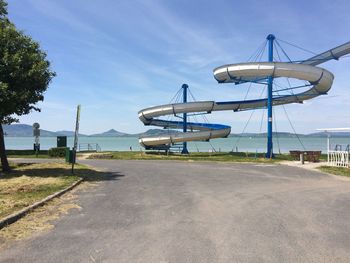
{"x":25,"y":75}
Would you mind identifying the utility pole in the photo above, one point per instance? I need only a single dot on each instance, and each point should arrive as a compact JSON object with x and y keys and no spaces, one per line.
{"x":76,"y":136}
{"x":269,"y":151}
{"x":184,"y":117}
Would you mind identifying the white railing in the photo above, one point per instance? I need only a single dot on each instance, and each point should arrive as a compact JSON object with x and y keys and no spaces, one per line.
{"x":338,"y":158}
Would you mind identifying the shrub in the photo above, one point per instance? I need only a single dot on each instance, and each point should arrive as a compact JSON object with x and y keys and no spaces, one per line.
{"x":58,"y":152}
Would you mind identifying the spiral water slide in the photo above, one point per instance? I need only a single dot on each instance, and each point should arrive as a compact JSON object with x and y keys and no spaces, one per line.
{"x":319,"y":78}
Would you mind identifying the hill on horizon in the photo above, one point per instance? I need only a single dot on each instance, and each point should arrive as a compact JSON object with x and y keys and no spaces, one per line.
{"x":25,"y":130}
{"x":109,"y":133}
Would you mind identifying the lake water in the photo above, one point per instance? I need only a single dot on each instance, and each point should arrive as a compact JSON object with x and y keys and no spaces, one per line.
{"x":224,"y":144}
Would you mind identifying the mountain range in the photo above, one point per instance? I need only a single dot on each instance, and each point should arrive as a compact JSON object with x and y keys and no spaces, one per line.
{"x":25,"y":130}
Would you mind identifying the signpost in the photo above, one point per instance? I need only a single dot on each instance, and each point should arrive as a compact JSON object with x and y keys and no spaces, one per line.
{"x":36,"y":134}
{"x":75,"y":146}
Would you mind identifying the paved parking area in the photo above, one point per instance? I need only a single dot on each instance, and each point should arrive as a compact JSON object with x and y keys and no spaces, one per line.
{"x":167,"y":211}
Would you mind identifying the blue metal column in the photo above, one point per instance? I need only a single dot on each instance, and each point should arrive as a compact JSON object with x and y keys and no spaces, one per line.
{"x":184,"y":96}
{"x":269,"y":151}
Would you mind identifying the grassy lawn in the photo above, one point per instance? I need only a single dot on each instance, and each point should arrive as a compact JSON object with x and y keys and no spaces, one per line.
{"x":218,"y":156}
{"x":27,"y":154}
{"x":29,"y":183}
{"x":342,"y":171}
{"x":30,"y":156}
{"x":155,"y":155}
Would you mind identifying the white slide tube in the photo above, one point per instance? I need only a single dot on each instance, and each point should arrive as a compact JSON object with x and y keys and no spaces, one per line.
{"x":320,"y":81}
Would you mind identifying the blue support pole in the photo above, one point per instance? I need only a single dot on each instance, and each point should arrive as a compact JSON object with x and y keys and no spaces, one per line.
{"x":269,"y":151}
{"x":184,"y":129}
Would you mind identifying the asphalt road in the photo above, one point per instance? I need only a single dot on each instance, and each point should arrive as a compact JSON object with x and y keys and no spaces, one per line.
{"x":160,"y":211}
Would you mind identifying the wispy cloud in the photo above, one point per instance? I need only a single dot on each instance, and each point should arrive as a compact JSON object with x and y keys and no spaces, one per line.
{"x":116,"y":57}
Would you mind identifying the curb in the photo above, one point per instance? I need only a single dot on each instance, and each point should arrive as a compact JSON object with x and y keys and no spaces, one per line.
{"x":18,"y":215}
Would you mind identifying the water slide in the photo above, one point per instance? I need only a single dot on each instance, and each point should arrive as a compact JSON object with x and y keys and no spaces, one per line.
{"x":320,"y":81}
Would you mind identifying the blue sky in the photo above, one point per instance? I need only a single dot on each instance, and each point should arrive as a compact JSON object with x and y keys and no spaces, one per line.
{"x":117,"y":57}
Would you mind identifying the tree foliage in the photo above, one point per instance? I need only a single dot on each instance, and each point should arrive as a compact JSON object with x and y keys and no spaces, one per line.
{"x":3,"y":9}
{"x":25,"y":72}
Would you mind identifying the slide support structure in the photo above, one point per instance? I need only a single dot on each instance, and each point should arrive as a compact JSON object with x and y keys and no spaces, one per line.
{"x":184,"y":116}
{"x":269,"y":150}
{"x":319,"y":78}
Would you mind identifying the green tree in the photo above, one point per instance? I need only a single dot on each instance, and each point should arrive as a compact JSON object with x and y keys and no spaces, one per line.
{"x":24,"y":76}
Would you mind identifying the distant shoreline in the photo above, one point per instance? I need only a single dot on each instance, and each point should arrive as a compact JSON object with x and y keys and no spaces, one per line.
{"x":231,"y":135}
{"x":25,"y":130}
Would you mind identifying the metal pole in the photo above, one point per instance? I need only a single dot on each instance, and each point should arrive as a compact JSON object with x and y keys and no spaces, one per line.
{"x":184,"y":129}
{"x":328,"y":146}
{"x":269,"y":151}
{"x":76,"y":134}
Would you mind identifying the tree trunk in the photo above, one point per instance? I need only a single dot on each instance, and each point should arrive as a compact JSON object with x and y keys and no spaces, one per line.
{"x":4,"y":162}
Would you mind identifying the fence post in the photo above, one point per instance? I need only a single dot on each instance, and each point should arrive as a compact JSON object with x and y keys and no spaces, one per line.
{"x":302,"y":158}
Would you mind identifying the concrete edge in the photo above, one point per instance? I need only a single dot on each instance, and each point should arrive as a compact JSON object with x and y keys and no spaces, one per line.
{"x":18,"y":215}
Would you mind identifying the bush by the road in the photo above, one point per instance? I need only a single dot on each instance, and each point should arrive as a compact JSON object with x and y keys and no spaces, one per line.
{"x":58,"y":152}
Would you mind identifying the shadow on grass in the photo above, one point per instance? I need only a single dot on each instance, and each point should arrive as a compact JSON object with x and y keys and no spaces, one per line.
{"x":202,"y":154}
{"x":219,"y":154}
{"x":59,"y":170}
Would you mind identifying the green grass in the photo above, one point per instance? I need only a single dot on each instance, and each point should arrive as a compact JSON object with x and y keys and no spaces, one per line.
{"x":218,"y":157}
{"x":152,"y":155}
{"x":342,"y":171}
{"x":323,"y":157}
{"x":27,"y":154}
{"x":30,"y":156}
{"x":29,"y":183}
